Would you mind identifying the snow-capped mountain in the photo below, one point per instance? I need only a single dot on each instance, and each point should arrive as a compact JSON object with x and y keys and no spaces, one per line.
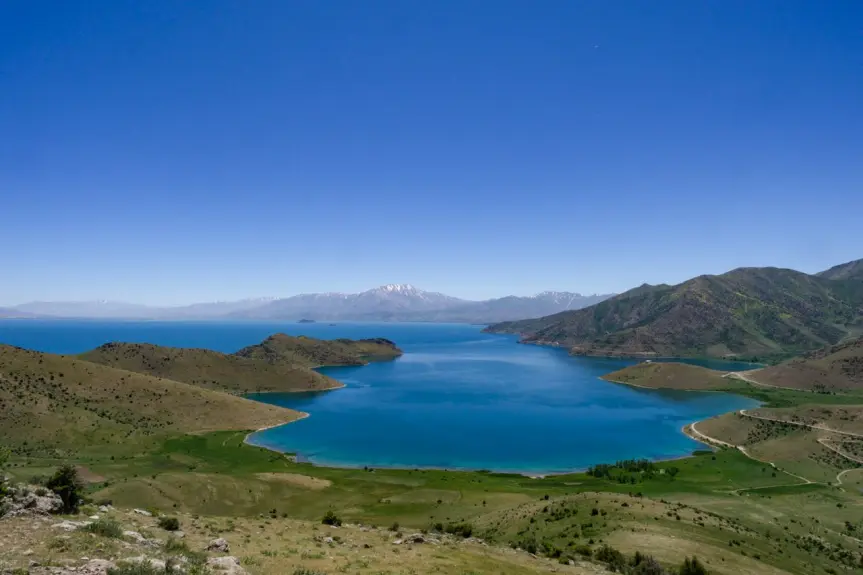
{"x":390,"y":302}
{"x":404,"y":302}
{"x":380,"y":303}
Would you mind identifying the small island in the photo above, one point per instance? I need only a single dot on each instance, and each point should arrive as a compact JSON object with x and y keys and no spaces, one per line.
{"x":305,"y":320}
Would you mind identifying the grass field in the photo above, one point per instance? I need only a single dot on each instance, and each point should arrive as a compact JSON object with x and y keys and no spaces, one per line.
{"x":788,"y":501}
{"x":738,"y":514}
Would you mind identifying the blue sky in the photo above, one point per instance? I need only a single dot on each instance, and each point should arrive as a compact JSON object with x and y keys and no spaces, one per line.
{"x":169,"y":152}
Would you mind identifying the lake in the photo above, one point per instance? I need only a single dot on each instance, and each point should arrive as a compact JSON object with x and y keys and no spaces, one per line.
{"x":457,"y":398}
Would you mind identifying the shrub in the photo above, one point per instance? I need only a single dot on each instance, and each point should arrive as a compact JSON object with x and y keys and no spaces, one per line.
{"x":67,"y":485}
{"x":330,"y":518}
{"x":394,"y":526}
{"x":105,"y":528}
{"x":612,"y":557}
{"x":4,"y":457}
{"x":692,"y":567}
{"x":304,"y":571}
{"x":584,"y":550}
{"x":169,"y":523}
{"x":463,"y":529}
{"x":647,"y":565}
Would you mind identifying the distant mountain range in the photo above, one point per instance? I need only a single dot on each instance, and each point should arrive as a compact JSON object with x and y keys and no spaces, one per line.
{"x":392,"y":302}
{"x":763,"y":313}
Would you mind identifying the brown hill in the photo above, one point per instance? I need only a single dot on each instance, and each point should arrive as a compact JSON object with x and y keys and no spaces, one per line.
{"x":210,"y":369}
{"x":311,"y":352}
{"x":746,"y":313}
{"x":671,"y":375}
{"x":52,"y":404}
{"x":835,"y":368}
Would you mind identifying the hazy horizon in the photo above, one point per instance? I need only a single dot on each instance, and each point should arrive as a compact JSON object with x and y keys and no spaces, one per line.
{"x":169,"y":153}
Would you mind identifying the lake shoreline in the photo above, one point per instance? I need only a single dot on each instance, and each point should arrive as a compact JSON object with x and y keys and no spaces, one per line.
{"x":296,"y":456}
{"x":248,"y":440}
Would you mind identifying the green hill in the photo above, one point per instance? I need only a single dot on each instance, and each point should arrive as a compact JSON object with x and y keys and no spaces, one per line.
{"x":745,"y":313}
{"x":851,"y":270}
{"x":836,"y":368}
{"x":210,"y":369}
{"x":311,"y":352}
{"x":52,"y":404}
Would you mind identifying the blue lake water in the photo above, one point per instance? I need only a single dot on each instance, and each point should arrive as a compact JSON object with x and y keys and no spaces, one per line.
{"x":457,"y":399}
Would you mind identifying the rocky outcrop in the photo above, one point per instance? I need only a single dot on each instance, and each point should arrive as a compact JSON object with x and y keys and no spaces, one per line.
{"x":30,"y":500}
{"x":220,"y":545}
{"x":226,"y":566}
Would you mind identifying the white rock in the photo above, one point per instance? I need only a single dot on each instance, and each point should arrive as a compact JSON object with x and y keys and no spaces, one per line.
{"x":26,"y":500}
{"x":105,"y":508}
{"x":142,"y":512}
{"x":227,"y":565}
{"x":71,"y":525}
{"x":94,"y":517}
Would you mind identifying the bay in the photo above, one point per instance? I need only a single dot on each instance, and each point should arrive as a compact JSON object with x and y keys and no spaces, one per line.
{"x":457,"y":399}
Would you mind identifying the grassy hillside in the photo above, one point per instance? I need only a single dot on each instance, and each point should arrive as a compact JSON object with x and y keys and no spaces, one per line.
{"x":835,"y":368}
{"x":311,"y":352}
{"x":58,"y":404}
{"x":671,"y":375}
{"x":745,"y":313}
{"x":210,"y":369}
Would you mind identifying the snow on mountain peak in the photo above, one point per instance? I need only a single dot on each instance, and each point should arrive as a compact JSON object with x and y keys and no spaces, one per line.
{"x":399,"y":288}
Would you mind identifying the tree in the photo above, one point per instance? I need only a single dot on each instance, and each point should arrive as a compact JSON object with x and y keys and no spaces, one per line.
{"x":67,"y":485}
{"x":4,"y":457}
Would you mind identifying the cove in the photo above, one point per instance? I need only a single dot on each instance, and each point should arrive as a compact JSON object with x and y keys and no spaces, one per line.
{"x":457,"y":399}
{"x":461,"y":399}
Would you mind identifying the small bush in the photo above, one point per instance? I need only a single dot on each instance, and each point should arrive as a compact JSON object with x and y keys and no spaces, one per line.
{"x":394,"y":526}
{"x":584,"y":550}
{"x":67,"y":485}
{"x":611,"y":557}
{"x":304,"y":571}
{"x":692,"y":567}
{"x":105,"y":528}
{"x":463,"y":529}
{"x":169,"y":523}
{"x":330,"y":518}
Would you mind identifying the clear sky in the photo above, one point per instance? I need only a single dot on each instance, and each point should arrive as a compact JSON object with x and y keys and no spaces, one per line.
{"x":169,"y":152}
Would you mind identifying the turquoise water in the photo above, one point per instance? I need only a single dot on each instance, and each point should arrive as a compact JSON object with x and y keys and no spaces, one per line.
{"x":457,"y":399}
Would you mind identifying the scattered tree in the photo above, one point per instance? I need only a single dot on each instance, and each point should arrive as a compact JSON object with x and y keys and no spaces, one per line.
{"x":67,"y":485}
{"x":330,"y":518}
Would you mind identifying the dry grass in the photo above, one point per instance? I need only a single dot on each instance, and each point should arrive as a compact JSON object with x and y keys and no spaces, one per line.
{"x":835,"y":369}
{"x":847,"y":418}
{"x":210,"y":369}
{"x":274,"y":547}
{"x":311,"y":352}
{"x":297,"y":479}
{"x":50,"y":402}
{"x":670,"y":375}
